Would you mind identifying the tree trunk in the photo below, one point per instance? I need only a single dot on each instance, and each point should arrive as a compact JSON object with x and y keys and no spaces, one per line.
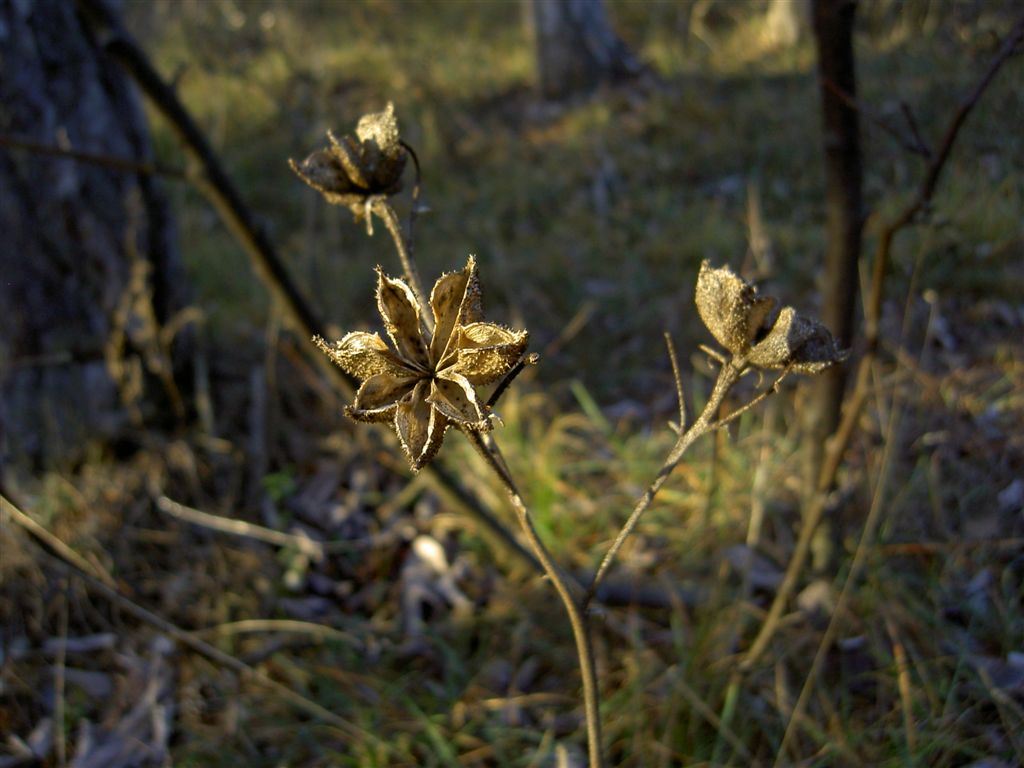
{"x":833,"y":31}
{"x":577,"y":49}
{"x":90,"y":263}
{"x":785,"y":22}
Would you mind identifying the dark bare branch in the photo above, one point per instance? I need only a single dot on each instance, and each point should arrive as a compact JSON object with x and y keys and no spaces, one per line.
{"x":107,"y":161}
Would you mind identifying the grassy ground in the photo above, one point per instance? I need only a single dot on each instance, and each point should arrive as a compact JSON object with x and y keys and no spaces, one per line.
{"x":589,"y":223}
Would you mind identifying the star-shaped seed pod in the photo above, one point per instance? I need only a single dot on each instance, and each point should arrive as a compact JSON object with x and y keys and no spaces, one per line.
{"x":351,"y":170}
{"x":424,"y":382}
{"x":751,"y":327}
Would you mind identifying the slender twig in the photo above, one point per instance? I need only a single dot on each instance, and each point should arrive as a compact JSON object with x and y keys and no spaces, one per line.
{"x":836,"y":446}
{"x":573,"y":607}
{"x":91,"y":158}
{"x":59,"y":680}
{"x":678,"y":377}
{"x":55,"y":544}
{"x":913,"y":143}
{"x":915,"y":132}
{"x":700,"y":706}
{"x":414,"y":204}
{"x":903,"y":684}
{"x":236,"y":527}
{"x":509,"y":377}
{"x":321,"y":632}
{"x":728,"y":375}
{"x":209,"y":175}
{"x":760,"y":398}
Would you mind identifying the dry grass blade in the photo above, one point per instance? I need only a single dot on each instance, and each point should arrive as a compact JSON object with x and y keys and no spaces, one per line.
{"x":904,"y":685}
{"x":320,"y":632}
{"x":235,"y":527}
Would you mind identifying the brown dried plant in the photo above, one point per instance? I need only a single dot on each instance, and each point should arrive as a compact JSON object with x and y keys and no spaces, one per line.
{"x":428,"y":380}
{"x":425,"y":381}
{"x":352,"y":171}
{"x":753,"y":329}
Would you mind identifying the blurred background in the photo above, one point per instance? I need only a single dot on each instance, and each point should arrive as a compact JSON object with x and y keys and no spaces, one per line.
{"x":590,"y":155}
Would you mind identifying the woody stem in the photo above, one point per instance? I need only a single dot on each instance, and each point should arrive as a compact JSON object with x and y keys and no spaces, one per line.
{"x":490,"y":453}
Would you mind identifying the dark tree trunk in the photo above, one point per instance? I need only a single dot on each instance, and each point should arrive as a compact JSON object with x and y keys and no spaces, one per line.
{"x":577,"y":49}
{"x":89,"y":261}
{"x":833,"y":32}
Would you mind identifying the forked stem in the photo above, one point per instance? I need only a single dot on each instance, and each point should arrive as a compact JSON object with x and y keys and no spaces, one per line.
{"x":574,"y":607}
{"x":728,"y":375}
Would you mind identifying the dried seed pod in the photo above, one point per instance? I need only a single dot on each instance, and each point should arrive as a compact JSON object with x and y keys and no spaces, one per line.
{"x":349,"y":171}
{"x":748,"y":325}
{"x":799,"y":343}
{"x":731,"y":308}
{"x":423,"y":382}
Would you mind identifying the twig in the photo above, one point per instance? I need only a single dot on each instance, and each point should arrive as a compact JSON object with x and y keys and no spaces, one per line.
{"x":678,"y":377}
{"x":728,"y":375}
{"x":509,"y":377}
{"x":449,"y":487}
{"x":55,"y":544}
{"x":699,"y":706}
{"x":235,"y":527}
{"x":939,"y":547}
{"x":838,"y":443}
{"x":903,"y":684}
{"x":908,"y":115}
{"x":574,"y":609}
{"x":414,"y":204}
{"x":321,"y":632}
{"x":913,"y":143}
{"x":760,"y":398}
{"x":106,"y":161}
{"x":210,"y":176}
{"x":59,"y":680}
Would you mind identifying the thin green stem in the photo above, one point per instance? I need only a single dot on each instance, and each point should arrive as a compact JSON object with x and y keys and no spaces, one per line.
{"x":573,"y":607}
{"x":728,"y":375}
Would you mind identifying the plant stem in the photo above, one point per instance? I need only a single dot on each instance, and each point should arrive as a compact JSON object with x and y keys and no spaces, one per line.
{"x":728,"y":375}
{"x":387,"y":214}
{"x":573,"y":607}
